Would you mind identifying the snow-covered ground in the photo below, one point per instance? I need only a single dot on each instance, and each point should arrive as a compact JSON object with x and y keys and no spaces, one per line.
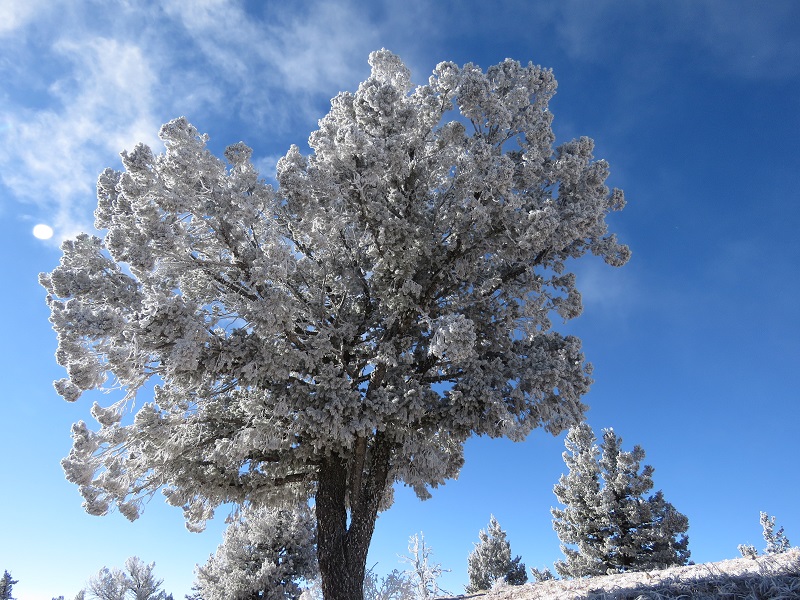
{"x":773,"y":576}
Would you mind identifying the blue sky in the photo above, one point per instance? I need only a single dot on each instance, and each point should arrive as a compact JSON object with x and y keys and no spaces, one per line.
{"x":695,"y":342}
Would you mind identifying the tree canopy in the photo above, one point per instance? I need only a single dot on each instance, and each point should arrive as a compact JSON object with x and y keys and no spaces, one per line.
{"x":351,"y":328}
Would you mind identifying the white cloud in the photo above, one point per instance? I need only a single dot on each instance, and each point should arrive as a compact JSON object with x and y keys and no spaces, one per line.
{"x":88,"y":79}
{"x":52,"y":157}
{"x":15,"y":14}
{"x":281,"y":60}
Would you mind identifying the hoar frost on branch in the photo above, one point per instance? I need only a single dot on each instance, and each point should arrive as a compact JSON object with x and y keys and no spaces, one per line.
{"x":346,"y":331}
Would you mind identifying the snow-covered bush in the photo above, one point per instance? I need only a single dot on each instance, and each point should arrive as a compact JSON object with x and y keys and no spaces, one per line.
{"x":395,"y":585}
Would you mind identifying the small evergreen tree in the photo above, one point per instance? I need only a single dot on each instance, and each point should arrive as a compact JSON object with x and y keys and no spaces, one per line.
{"x":264,"y":554}
{"x":141,"y":580}
{"x":580,"y":525}
{"x":748,"y":551}
{"x":777,"y":541}
{"x":608,"y":525}
{"x":108,"y":584}
{"x":490,"y":561}
{"x":6,"y":585}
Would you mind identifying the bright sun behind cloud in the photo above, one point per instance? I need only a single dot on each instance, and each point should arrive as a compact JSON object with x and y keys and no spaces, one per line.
{"x":42,"y":231}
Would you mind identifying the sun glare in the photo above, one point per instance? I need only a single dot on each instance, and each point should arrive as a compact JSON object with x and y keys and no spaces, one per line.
{"x":43,"y":232}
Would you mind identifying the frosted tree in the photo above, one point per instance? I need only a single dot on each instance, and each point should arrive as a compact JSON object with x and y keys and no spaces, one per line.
{"x":346,"y":331}
{"x":7,"y":586}
{"x":266,"y":553}
{"x":141,"y":581}
{"x":395,"y":585}
{"x":108,"y":584}
{"x":777,"y":542}
{"x":581,"y":525}
{"x":540,"y":575}
{"x":137,"y":578}
{"x":490,"y":560}
{"x":423,"y":572}
{"x":608,"y":525}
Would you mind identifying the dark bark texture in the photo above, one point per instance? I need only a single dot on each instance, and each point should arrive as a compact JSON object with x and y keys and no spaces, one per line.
{"x":342,"y":543}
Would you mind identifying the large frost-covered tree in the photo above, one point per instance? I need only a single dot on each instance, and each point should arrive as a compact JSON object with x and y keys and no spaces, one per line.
{"x":346,"y":331}
{"x":490,"y":560}
{"x":608,"y":525}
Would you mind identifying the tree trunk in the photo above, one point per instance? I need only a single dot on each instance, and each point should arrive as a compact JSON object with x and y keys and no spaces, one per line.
{"x":342,"y":547}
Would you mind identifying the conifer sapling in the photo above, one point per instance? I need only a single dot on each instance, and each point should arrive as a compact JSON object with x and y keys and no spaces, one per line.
{"x":608,"y":524}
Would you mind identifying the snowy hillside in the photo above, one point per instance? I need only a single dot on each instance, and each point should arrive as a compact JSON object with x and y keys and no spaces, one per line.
{"x":773,"y":576}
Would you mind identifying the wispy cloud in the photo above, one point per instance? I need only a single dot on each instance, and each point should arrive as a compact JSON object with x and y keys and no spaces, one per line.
{"x":281,"y":60}
{"x":91,"y":79}
{"x":51,"y":157}
{"x":14,"y":15}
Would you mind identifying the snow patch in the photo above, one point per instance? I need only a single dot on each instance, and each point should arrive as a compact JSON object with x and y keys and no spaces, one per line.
{"x":769,"y":576}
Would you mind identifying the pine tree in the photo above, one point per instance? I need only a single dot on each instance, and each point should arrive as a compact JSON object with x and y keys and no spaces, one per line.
{"x":776,"y":541}
{"x":141,"y":580}
{"x":6,"y":584}
{"x":108,"y":584}
{"x":491,"y":561}
{"x":608,"y":525}
{"x":301,"y":335}
{"x":542,"y":575}
{"x":264,"y":554}
{"x":580,"y":524}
